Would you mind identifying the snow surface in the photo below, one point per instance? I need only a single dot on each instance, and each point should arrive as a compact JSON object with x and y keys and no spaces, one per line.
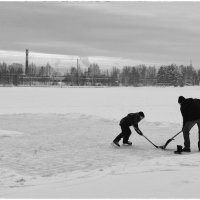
{"x":55,"y":143}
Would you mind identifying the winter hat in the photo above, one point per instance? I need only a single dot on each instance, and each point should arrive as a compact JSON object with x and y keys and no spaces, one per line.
{"x":181,"y":99}
{"x":141,"y":114}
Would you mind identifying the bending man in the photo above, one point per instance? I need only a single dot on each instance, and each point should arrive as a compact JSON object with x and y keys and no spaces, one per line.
{"x":190,"y":110}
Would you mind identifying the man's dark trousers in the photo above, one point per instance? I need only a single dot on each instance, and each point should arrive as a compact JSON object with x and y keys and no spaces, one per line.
{"x":186,"y":132}
{"x":125,"y":134}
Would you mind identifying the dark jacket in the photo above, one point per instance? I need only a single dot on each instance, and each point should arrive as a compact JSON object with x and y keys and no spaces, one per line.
{"x":131,"y":119}
{"x":190,"y":110}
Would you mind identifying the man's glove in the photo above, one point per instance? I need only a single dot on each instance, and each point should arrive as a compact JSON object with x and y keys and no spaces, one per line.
{"x":139,"y":131}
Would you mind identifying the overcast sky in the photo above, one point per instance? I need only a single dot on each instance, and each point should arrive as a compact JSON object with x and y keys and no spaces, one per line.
{"x":148,"y":32}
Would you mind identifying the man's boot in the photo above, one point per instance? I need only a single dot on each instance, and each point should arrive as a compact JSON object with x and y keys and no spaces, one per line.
{"x":116,"y":143}
{"x":127,"y":143}
{"x":186,"y":149}
{"x":179,"y":149}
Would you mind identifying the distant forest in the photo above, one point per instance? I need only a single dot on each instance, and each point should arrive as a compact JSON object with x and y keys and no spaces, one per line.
{"x":141,"y":75}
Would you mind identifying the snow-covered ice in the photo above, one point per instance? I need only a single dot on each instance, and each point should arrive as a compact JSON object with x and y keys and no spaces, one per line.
{"x":55,"y":143}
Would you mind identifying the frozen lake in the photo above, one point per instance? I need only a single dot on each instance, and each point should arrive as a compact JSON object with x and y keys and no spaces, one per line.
{"x":55,"y":135}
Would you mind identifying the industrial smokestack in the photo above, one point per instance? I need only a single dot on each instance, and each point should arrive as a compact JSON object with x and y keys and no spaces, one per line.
{"x":26,"y":64}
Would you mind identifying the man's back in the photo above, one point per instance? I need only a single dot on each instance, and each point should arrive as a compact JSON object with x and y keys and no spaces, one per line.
{"x":131,"y":119}
{"x":190,"y":109}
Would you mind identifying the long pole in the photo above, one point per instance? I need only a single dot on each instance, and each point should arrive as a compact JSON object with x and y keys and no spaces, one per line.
{"x":150,"y":141}
{"x":168,"y":141}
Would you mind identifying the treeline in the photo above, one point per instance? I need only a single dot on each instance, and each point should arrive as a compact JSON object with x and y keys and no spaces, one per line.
{"x":33,"y":70}
{"x":14,"y":74}
{"x":178,"y":75}
{"x":14,"y":68}
{"x":141,"y":75}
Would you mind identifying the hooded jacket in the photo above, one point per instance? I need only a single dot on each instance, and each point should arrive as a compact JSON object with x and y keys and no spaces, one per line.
{"x":132,"y":119}
{"x":190,"y":110}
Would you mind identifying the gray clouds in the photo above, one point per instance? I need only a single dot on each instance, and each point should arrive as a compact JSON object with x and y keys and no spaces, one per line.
{"x":160,"y":32}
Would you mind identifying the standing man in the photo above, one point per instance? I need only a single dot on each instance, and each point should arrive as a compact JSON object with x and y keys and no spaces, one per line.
{"x":190,"y":110}
{"x":132,"y":119}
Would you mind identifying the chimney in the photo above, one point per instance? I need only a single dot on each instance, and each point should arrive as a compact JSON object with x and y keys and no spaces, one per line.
{"x":26,"y":64}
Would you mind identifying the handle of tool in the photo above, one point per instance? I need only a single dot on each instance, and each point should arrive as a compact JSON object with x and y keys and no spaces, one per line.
{"x":177,"y":134}
{"x":150,"y":141}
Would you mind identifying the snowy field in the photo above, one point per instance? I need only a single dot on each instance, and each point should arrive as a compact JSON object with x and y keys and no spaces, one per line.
{"x":55,"y":143}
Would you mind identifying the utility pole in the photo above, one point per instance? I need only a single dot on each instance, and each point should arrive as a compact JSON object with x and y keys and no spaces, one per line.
{"x":190,"y":62}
